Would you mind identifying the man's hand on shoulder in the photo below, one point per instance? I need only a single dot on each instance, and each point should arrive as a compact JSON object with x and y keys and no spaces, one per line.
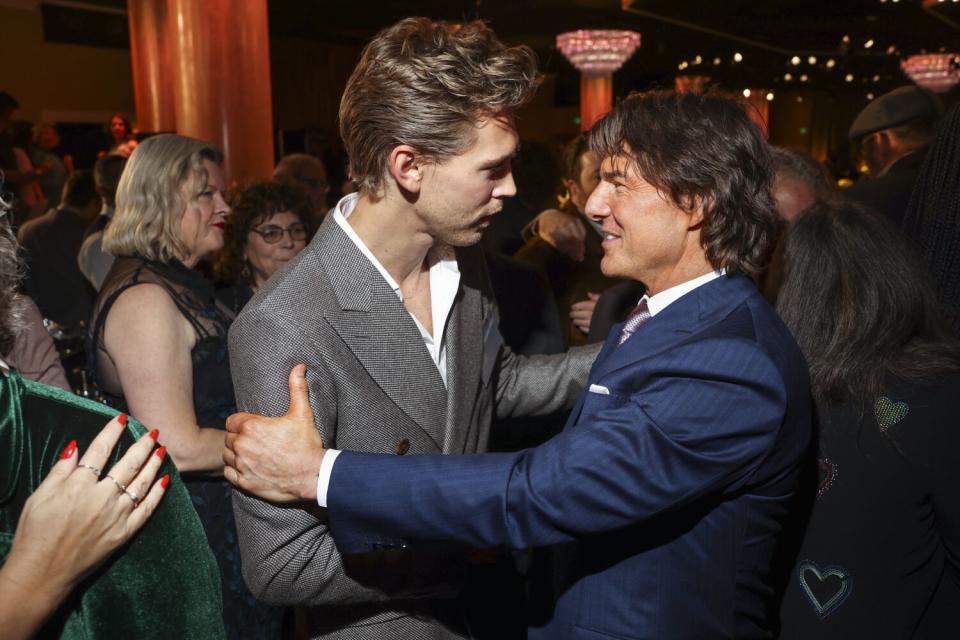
{"x":563,"y":232}
{"x":276,"y":459}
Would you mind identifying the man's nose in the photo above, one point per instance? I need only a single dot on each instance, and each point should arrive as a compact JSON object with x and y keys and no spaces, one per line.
{"x":596,"y":207}
{"x":507,"y":187}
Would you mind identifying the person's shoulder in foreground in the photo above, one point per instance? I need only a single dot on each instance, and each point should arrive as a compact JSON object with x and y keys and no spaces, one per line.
{"x":163,"y":582}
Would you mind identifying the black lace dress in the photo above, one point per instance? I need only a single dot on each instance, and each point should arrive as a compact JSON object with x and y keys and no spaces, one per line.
{"x":213,"y":401}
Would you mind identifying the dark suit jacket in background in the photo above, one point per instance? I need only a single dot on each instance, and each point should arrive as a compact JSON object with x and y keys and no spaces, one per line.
{"x":374,"y":387}
{"x":667,"y":492}
{"x":612,"y":308}
{"x":889,"y":193}
{"x":528,"y":311}
{"x":53,"y":279}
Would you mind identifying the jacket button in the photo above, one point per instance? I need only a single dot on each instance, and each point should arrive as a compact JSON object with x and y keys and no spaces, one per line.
{"x":402,"y":446}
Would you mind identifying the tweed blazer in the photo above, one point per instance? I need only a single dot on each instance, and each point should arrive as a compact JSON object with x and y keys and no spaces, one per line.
{"x":374,"y":387}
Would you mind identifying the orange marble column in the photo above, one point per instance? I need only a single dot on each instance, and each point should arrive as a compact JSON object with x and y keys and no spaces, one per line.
{"x":758,"y":110}
{"x":596,"y":98}
{"x":222,"y":81}
{"x":150,"y":57}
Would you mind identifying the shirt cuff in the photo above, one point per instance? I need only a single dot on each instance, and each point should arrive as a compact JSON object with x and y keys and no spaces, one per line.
{"x":323,"y":479}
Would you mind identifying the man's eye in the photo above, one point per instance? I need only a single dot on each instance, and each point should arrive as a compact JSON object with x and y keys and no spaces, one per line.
{"x":500,"y":169}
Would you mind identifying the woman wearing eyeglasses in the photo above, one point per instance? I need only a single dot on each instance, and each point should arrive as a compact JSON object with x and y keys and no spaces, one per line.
{"x":158,"y":338}
{"x":270,"y":225}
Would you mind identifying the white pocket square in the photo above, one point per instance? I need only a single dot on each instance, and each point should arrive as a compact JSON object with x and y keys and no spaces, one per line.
{"x":596,"y":388}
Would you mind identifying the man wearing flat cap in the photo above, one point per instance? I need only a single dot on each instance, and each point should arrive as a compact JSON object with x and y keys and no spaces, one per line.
{"x":893,"y":133}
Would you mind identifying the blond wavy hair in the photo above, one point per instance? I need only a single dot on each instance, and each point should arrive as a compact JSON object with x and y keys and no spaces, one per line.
{"x":427,"y":84}
{"x":150,"y":204}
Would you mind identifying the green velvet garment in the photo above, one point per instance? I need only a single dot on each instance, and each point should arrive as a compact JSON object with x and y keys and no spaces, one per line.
{"x":164,"y":583}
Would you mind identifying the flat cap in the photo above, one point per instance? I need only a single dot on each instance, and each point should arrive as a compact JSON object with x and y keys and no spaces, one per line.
{"x":895,"y":108}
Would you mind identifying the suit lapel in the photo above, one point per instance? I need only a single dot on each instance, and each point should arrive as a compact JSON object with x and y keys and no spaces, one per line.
{"x":464,"y":352}
{"x":698,"y":308}
{"x":376,"y":327}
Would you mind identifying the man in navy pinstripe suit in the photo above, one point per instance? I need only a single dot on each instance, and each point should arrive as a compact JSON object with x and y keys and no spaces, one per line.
{"x":666,"y":493}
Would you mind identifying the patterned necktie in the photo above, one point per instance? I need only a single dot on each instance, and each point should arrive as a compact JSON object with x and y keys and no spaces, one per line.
{"x":634,"y":321}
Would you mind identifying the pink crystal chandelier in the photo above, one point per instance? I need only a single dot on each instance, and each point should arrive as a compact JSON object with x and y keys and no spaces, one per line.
{"x":598,"y":51}
{"x":935,"y":71}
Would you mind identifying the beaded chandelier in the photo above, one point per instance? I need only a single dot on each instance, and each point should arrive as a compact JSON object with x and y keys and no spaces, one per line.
{"x":598,"y":51}
{"x":935,"y":71}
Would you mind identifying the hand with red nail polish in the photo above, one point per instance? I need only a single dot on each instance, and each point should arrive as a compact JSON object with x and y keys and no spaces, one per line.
{"x":69,"y":450}
{"x":74,"y":520}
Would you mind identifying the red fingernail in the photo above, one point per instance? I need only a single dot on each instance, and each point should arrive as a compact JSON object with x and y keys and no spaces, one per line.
{"x":162,"y":451}
{"x":165,"y":480}
{"x":155,"y":434}
{"x":69,"y":451}
{"x":122,"y":419}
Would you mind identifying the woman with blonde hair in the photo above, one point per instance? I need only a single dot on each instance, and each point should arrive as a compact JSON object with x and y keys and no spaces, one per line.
{"x":158,"y":336}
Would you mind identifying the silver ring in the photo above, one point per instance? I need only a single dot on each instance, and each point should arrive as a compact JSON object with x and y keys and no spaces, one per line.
{"x":119,"y":484}
{"x":134,"y":497}
{"x":96,"y":471}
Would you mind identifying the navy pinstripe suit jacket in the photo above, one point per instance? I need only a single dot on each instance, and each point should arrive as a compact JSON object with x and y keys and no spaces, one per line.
{"x":666,"y":496}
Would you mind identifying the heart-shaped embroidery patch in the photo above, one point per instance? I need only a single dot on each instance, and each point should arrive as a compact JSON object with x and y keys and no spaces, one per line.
{"x":826,"y":588}
{"x":827,"y":475}
{"x":889,"y":413}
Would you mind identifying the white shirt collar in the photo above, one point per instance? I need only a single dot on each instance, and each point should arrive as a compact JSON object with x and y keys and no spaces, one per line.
{"x":444,"y":255}
{"x":660,"y":301}
{"x":444,"y":283}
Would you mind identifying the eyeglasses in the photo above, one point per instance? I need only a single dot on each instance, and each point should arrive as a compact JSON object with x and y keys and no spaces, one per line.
{"x":272,"y":234}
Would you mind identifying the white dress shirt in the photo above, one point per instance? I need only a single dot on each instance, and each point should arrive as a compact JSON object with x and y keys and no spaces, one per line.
{"x":444,"y":284}
{"x":658,"y":302}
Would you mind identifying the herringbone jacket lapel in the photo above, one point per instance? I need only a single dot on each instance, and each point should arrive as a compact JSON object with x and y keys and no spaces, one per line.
{"x":464,"y":338}
{"x":375,"y":326}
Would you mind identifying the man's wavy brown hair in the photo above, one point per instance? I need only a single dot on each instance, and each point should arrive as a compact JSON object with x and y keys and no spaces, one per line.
{"x":427,"y":84}
{"x":701,"y":150}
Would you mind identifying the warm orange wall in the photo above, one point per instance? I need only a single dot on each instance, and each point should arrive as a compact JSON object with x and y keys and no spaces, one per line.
{"x":308,"y":78}
{"x":61,"y":78}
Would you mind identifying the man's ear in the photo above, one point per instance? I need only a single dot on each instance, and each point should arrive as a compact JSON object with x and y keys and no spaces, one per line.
{"x":571,"y":185}
{"x":696,"y":213}
{"x":406,"y":165}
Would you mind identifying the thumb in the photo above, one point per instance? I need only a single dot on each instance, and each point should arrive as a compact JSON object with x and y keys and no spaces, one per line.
{"x":299,"y":395}
{"x":593,"y":296}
